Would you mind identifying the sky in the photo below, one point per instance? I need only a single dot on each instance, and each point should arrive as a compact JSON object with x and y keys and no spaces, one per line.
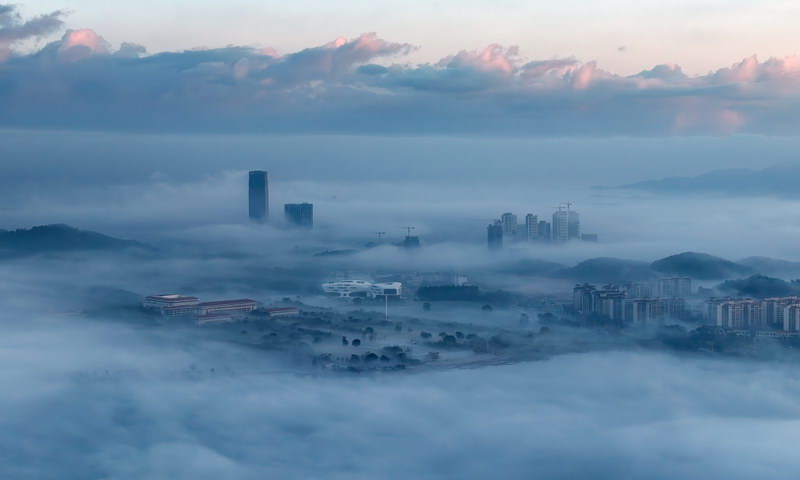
{"x":505,"y":69}
{"x":625,"y":36}
{"x":141,"y":119}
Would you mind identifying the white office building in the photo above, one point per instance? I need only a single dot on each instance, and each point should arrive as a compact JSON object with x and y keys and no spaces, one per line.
{"x":361,"y":289}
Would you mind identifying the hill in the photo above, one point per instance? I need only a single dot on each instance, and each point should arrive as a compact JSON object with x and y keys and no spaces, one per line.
{"x":701,"y":266}
{"x":760,"y":286}
{"x":528,"y":266}
{"x":772,"y":266}
{"x":61,"y":238}
{"x":607,"y":269}
{"x":774,"y":180}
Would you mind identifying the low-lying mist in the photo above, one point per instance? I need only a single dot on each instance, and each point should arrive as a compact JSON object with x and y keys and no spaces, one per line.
{"x":111,"y":401}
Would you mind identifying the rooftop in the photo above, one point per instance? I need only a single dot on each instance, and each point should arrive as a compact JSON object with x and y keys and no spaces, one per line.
{"x":170,"y":296}
{"x":227,"y":302}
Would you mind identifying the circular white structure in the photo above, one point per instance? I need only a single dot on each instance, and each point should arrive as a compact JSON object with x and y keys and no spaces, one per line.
{"x":361,"y":289}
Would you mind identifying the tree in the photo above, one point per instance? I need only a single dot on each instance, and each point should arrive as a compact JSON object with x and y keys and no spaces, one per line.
{"x":356,"y":342}
{"x":426,"y":306}
{"x":425,"y":335}
{"x":345,"y":342}
{"x":370,"y":357}
{"x":398,"y":328}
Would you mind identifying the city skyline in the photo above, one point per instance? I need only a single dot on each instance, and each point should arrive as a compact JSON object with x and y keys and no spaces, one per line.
{"x":448,"y":240}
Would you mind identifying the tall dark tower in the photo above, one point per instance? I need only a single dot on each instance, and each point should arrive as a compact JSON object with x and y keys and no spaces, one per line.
{"x":259,"y":196}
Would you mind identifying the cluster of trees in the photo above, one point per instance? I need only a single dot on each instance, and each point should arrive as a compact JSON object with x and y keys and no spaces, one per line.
{"x":469,"y":341}
{"x":761,"y":286}
{"x":465,"y":293}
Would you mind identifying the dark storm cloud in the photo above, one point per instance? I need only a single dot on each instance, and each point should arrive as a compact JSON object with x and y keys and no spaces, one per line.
{"x":353,"y":86}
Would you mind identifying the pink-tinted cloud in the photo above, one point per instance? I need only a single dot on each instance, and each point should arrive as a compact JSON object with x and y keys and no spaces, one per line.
{"x":751,"y":70}
{"x":492,"y":58}
{"x":77,"y":44}
{"x":358,"y":86}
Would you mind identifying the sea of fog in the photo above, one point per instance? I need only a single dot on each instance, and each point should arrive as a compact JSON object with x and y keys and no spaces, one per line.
{"x":91,"y":400}
{"x":193,"y":188}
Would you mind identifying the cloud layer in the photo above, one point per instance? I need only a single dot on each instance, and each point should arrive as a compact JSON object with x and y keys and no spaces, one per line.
{"x":361,"y":85}
{"x":102,"y":401}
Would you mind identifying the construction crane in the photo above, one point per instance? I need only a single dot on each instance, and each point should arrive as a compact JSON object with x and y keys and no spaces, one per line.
{"x":380,"y":235}
{"x":408,"y":229}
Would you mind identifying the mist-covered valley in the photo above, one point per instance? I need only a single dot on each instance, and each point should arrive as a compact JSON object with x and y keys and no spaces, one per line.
{"x":498,"y":373}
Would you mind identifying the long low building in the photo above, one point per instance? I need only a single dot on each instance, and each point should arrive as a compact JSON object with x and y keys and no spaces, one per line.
{"x":213,"y":318}
{"x":240,"y":306}
{"x":361,"y":289}
{"x":171,"y":304}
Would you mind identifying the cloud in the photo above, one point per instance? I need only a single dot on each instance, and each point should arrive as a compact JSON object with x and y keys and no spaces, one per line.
{"x":106,"y":400}
{"x":13,"y":29}
{"x":361,"y":86}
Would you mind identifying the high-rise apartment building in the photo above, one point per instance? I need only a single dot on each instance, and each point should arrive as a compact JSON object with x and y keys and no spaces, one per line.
{"x":675,"y":287}
{"x":560,"y":225}
{"x":573,"y":225}
{"x":566,"y":225}
{"x":258,"y":196}
{"x":509,"y":221}
{"x":531,"y":227}
{"x":545,"y":234}
{"x":494,"y":235}
{"x":299,"y":214}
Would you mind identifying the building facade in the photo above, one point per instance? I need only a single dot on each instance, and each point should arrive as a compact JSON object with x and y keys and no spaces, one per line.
{"x":171,"y":304}
{"x":362,"y":289}
{"x":229,"y":307}
{"x":494,"y":235}
{"x":258,"y":196}
{"x":675,"y":287}
{"x":299,"y":214}
{"x":509,"y":221}
{"x":531,"y":228}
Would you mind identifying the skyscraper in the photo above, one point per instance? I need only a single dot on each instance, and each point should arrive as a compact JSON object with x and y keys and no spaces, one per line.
{"x":509,"y":221}
{"x":531,"y":227}
{"x":299,"y":214}
{"x":494,"y":235}
{"x":544,"y":231}
{"x":560,"y":225}
{"x":573,"y":225}
{"x":258,"y":196}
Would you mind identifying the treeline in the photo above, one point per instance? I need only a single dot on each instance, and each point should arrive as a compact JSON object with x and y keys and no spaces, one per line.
{"x":466,"y":293}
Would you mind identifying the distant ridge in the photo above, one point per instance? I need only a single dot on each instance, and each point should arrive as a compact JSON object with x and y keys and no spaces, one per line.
{"x":61,"y":238}
{"x":608,"y":270}
{"x":701,"y":266}
{"x":775,"y":180}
